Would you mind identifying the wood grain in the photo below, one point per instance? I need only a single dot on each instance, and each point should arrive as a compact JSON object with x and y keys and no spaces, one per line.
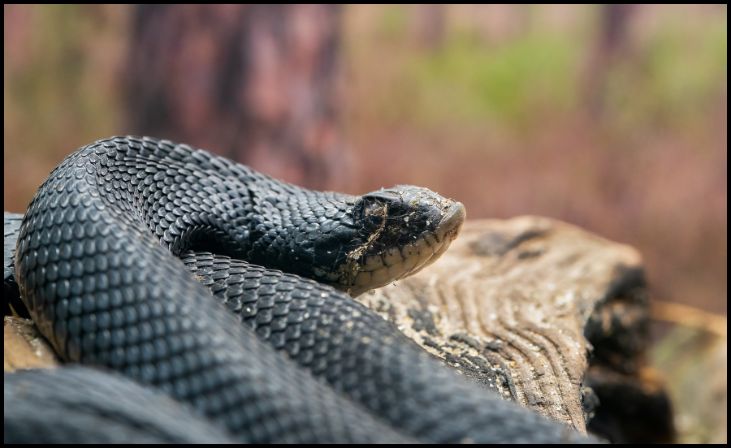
{"x":509,"y":305}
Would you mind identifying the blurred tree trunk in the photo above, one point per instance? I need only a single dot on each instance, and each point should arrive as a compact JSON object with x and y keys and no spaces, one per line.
{"x":430,"y":24}
{"x":256,"y":83}
{"x":611,"y":45}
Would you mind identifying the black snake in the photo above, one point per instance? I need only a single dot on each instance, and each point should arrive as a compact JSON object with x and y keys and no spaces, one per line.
{"x":103,"y":262}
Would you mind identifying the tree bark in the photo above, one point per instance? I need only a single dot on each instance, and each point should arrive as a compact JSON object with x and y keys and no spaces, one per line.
{"x":610,"y":45}
{"x":256,"y":83}
{"x":430,"y":25}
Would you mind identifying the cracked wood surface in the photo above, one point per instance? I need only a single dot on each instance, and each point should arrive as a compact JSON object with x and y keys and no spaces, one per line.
{"x":509,"y":304}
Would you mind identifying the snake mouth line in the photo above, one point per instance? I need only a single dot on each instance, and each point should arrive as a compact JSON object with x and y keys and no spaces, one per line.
{"x":399,"y":262}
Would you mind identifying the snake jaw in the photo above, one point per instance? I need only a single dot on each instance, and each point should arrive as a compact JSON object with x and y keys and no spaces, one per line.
{"x":413,"y":226}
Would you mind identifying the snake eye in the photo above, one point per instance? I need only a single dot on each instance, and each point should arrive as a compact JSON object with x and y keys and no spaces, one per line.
{"x":377,"y":203}
{"x":373,"y":207}
{"x":372,"y":210}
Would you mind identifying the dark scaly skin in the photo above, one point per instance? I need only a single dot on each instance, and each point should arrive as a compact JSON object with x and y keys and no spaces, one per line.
{"x":85,"y":405}
{"x":367,"y":358}
{"x":12,"y":304}
{"x":131,"y":310}
{"x":11,"y":226}
{"x":103,"y":291}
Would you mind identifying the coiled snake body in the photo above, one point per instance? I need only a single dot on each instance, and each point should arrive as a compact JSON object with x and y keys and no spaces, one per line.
{"x":104,"y":259}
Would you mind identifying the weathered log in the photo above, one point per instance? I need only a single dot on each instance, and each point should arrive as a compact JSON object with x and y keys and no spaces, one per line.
{"x":24,"y":347}
{"x":524,"y":306}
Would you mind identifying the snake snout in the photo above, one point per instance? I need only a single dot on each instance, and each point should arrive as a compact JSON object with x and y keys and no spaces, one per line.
{"x":451,"y":222}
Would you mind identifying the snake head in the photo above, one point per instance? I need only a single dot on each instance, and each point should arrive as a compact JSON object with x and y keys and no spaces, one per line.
{"x":400,"y":230}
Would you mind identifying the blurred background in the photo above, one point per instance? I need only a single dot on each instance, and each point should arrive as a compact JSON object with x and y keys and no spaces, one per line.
{"x":610,"y":117}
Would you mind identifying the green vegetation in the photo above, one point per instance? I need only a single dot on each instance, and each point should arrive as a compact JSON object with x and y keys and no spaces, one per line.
{"x":673,"y":77}
{"x":665,"y":79}
{"x":508,"y":85}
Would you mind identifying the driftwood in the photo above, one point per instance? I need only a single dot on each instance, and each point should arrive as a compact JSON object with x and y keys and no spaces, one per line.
{"x":540,"y":311}
{"x":525,"y":307}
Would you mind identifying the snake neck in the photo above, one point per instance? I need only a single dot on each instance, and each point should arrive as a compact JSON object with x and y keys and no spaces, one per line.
{"x":308,"y":233}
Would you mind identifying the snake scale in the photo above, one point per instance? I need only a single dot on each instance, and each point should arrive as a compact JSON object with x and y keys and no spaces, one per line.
{"x":230,"y":292}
